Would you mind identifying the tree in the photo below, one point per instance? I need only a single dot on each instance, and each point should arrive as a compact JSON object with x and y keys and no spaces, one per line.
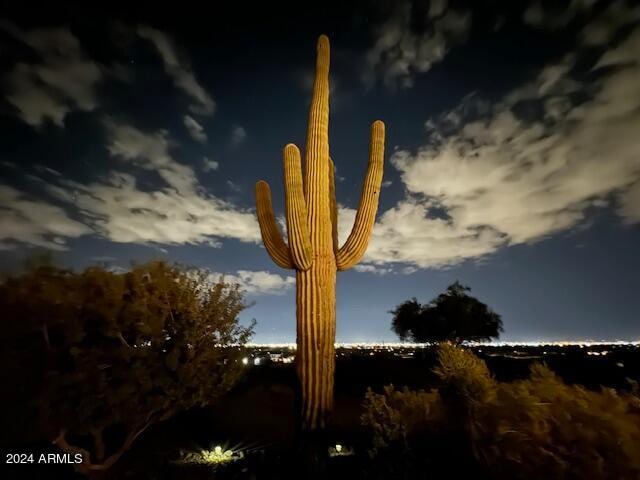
{"x":119,"y":352}
{"x":453,"y":315}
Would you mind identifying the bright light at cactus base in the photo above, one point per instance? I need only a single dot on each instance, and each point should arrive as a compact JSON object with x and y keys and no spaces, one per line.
{"x":340,"y":450}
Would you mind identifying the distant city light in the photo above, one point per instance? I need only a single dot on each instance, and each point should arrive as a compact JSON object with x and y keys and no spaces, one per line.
{"x":245,"y":361}
{"x":392,"y":345}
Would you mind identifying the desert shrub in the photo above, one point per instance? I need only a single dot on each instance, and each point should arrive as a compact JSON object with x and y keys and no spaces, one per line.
{"x":535,"y":428}
{"x":542,"y":428}
{"x":395,"y":416}
{"x":464,"y":378}
{"x":119,"y":352}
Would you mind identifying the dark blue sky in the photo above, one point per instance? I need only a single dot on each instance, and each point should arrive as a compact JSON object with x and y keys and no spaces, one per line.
{"x":512,"y":154}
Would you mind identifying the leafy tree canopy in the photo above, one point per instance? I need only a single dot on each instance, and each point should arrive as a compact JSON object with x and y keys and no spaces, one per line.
{"x":453,"y":315}
{"x":108,"y":354}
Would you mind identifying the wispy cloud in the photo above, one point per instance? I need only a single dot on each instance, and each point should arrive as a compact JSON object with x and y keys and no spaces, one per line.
{"x":30,"y":221}
{"x":177,"y":211}
{"x":400,"y":51}
{"x":179,"y":70}
{"x":195,"y":129}
{"x":552,"y":16}
{"x":209,"y":165}
{"x":234,"y":186}
{"x":61,"y":79}
{"x":238,"y":135}
{"x":598,"y":30}
{"x":489,"y":178}
{"x":258,"y":282}
{"x":367,"y":268}
{"x":149,"y":151}
{"x":180,"y":212}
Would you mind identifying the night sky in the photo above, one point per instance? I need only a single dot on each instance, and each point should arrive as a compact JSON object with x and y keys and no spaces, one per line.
{"x":136,"y":131}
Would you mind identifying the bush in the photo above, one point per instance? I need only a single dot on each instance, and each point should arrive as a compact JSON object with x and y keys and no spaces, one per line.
{"x":528,"y":429}
{"x":118,"y":352}
{"x":397,"y":415}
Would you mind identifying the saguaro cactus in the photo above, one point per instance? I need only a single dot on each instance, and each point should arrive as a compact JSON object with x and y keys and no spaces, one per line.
{"x":312,"y":247}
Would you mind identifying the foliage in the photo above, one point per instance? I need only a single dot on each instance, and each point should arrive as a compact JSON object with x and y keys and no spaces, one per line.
{"x":539,"y":427}
{"x":122,"y":351}
{"x":396,"y":415}
{"x":453,"y":315}
{"x":464,"y":378}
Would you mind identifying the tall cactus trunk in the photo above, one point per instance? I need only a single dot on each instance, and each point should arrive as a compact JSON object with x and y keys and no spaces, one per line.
{"x":315,"y":293}
{"x":312,"y":247}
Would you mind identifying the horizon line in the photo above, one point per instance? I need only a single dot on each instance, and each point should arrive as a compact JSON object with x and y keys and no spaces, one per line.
{"x":430,"y":344}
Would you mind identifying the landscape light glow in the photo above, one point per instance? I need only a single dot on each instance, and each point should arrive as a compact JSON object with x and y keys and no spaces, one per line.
{"x":217,"y":456}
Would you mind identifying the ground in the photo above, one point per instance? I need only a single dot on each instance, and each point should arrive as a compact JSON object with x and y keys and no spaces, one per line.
{"x":257,"y":417}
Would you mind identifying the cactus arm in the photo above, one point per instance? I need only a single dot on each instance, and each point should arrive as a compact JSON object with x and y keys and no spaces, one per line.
{"x":296,"y":210}
{"x":271,"y":236}
{"x":333,"y":206}
{"x":356,"y":244}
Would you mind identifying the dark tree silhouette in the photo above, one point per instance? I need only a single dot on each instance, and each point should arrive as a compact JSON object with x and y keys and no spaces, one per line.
{"x":453,"y":315}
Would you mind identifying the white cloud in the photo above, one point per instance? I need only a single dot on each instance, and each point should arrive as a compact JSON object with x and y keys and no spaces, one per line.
{"x":117,"y":269}
{"x":625,"y":54}
{"x":437,"y":8}
{"x":179,"y":212}
{"x":60,"y":81}
{"x":630,"y":204}
{"x":258,"y":282}
{"x":121,"y":208}
{"x":367,"y":268}
{"x":488,"y":178}
{"x":179,"y":70}
{"x":553,"y":17}
{"x":238,"y":135}
{"x":195,"y":129}
{"x":209,"y":165}
{"x":149,"y":152}
{"x":234,"y":186}
{"x":601,"y":30}
{"x":33,"y":222}
{"x":48,"y":170}
{"x":400,"y":52}
{"x":405,"y":234}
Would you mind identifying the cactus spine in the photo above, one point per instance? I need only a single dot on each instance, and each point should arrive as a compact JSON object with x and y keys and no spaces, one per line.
{"x":312,"y":242}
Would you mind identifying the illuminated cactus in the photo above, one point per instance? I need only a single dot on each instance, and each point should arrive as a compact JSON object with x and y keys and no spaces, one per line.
{"x":312,"y":247}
